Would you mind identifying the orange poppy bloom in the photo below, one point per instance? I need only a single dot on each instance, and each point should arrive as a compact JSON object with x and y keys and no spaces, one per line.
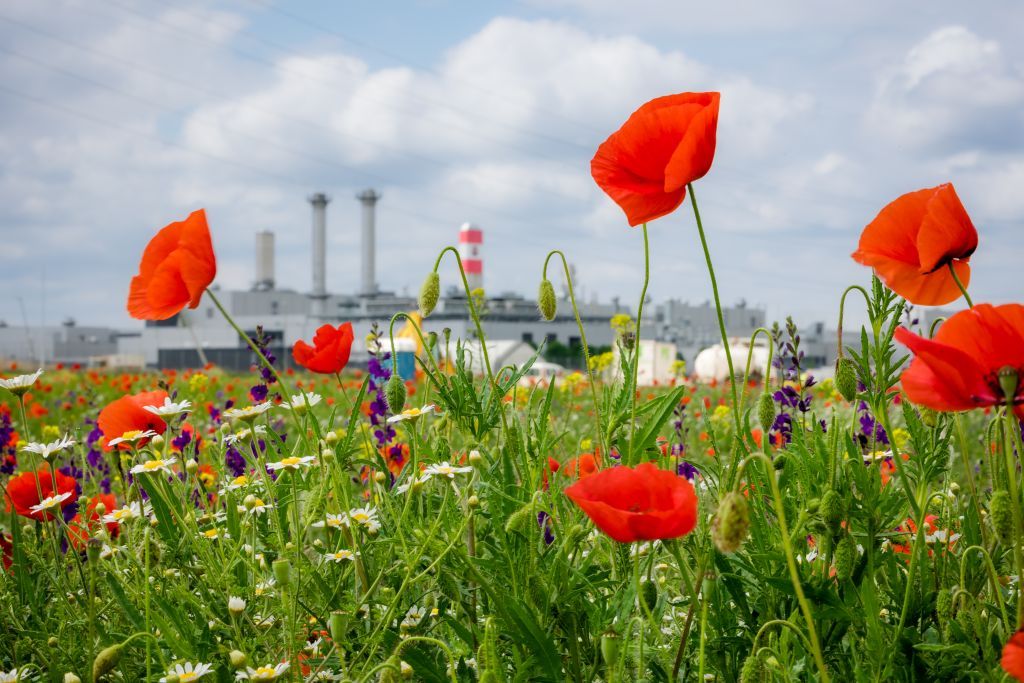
{"x":1013,"y":656}
{"x":975,"y":357}
{"x":127,"y":414}
{"x":330,"y":351}
{"x":914,"y":239}
{"x":585,"y":465}
{"x":666,"y":144}
{"x":177,"y":267}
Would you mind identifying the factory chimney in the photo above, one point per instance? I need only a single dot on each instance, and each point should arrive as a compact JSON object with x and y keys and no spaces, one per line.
{"x":319,"y":293}
{"x":471,"y":242}
{"x":264,"y":261}
{"x":369,"y":279}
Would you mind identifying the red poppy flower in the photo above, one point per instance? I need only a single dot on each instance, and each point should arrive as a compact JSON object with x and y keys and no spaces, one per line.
{"x":23,"y":491}
{"x":637,"y":504}
{"x":127,"y":414}
{"x":330,"y":351}
{"x":177,"y":267}
{"x":7,"y":551}
{"x":914,"y":239}
{"x":960,"y":368}
{"x":1013,"y":656}
{"x":664,"y":145}
{"x":80,"y":528}
{"x":584,"y":466}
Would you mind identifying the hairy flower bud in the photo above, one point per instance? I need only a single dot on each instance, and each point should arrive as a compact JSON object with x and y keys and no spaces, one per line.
{"x":833,"y":510}
{"x":1001,"y":511}
{"x":429,"y":293}
{"x":944,"y":607}
{"x":106,"y":660}
{"x":518,"y":520}
{"x":546,"y":301}
{"x":731,"y":523}
{"x":845,"y":557}
{"x":649,"y":592}
{"x":766,"y":411}
{"x":751,"y":671}
{"x":394,"y":393}
{"x":846,"y":378}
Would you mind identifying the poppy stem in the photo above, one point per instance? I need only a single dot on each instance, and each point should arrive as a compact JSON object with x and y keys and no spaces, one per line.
{"x":721,"y":323}
{"x":963,"y":290}
{"x":583,"y":341}
{"x":636,"y":344}
{"x":1011,"y":442}
{"x":842,"y":308}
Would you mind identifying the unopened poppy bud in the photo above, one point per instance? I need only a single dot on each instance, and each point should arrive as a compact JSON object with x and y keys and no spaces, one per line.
{"x":944,"y":607}
{"x":518,"y":520}
{"x":1001,"y":513}
{"x":766,"y":411}
{"x":431,"y":341}
{"x":191,"y":466}
{"x":846,"y":378}
{"x":546,"y":301}
{"x":649,"y":591}
{"x":71,"y":678}
{"x":928,"y":416}
{"x":611,"y":648}
{"x":429,"y":293}
{"x":237,"y":659}
{"x":394,"y":393}
{"x":751,"y":671}
{"x":731,"y":523}
{"x":1008,"y":380}
{"x":52,"y":641}
{"x":282,"y":572}
{"x":106,"y":660}
{"x":845,"y":557}
{"x":833,"y":511}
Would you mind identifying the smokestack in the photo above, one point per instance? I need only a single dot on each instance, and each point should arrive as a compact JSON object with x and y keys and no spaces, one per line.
{"x":471,"y":244}
{"x":369,"y":279}
{"x":264,"y":260}
{"x":319,"y":293}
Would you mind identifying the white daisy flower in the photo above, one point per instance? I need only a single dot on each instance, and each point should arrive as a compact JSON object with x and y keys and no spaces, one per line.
{"x":248,"y":413}
{"x":239,"y":482}
{"x":214,"y":534}
{"x":262,"y":673}
{"x":332,"y":521}
{"x":365,"y":517}
{"x":48,"y":449}
{"x":263,"y":622}
{"x":108,"y":551}
{"x":292,"y":463}
{"x":245,"y":434}
{"x":298,"y":402}
{"x":20,"y":385}
{"x":132,"y":437}
{"x":413,"y":617}
{"x":153,"y":466}
{"x":415,"y":413}
{"x":47,"y":504}
{"x":14,"y":675}
{"x":340,"y":556}
{"x":127,"y":513}
{"x":256,"y":506}
{"x":169,"y":408}
{"x":444,"y":469}
{"x":415,"y":482}
{"x":265,"y":588}
{"x":188,"y":671}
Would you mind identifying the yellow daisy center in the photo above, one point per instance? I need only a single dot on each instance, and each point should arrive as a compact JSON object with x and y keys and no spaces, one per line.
{"x":152,"y":465}
{"x":291,"y":461}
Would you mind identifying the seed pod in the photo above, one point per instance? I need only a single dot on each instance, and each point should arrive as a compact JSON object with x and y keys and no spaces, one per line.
{"x":337,"y":624}
{"x":845,"y":557}
{"x":766,"y":411}
{"x":833,"y":510}
{"x":282,"y":572}
{"x":106,"y":660}
{"x":429,"y":293}
{"x":394,"y":393}
{"x":1001,"y":511}
{"x":731,"y":523}
{"x":846,"y":378}
{"x":611,"y":648}
{"x":546,"y":300}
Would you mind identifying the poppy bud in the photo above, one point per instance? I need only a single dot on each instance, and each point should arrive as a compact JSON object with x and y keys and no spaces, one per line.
{"x":546,"y":300}
{"x":282,"y":572}
{"x":832,"y":510}
{"x":944,"y":607}
{"x":611,"y":648}
{"x":846,"y":378}
{"x":731,"y":523}
{"x":928,"y":416}
{"x":1002,"y":517}
{"x":751,"y":671}
{"x":431,"y":341}
{"x":237,"y":659}
{"x":766,"y":411}
{"x":429,"y":293}
{"x":518,"y":520}
{"x":845,"y":557}
{"x":394,"y":393}
{"x":106,"y":660}
{"x":649,"y":592}
{"x":779,"y":461}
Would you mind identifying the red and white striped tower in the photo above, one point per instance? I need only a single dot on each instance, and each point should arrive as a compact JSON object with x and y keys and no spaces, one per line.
{"x":471,"y":243}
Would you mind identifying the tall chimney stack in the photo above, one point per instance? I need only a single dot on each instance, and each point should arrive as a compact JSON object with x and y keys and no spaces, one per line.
{"x":264,"y":260}
{"x":319,"y":293}
{"x":471,"y":244}
{"x":369,"y":278}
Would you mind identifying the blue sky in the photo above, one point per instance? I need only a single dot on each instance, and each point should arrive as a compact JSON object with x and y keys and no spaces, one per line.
{"x":120,"y":116}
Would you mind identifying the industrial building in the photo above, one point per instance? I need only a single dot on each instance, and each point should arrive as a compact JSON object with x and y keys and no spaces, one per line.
{"x":197,"y":336}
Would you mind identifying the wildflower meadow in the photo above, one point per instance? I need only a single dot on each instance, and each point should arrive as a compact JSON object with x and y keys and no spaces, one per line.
{"x":460,"y":523}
